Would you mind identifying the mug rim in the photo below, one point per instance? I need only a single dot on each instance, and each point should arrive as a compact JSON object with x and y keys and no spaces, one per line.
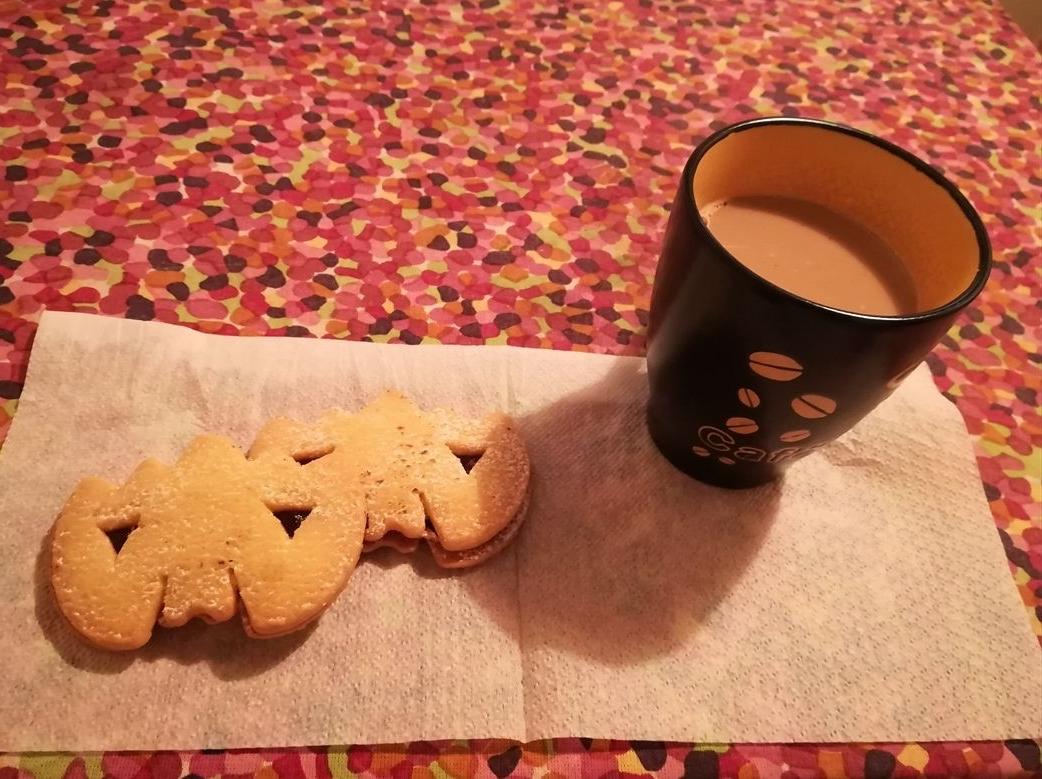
{"x":956,"y":304}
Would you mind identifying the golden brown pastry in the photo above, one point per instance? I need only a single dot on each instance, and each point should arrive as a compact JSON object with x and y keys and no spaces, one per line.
{"x":460,"y":485}
{"x":201,"y":531}
{"x":281,"y":531}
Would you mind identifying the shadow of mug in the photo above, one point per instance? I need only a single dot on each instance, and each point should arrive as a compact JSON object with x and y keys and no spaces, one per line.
{"x":622,"y":557}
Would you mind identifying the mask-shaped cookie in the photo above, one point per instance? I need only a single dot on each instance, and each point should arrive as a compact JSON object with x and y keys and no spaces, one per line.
{"x":285,"y":538}
{"x":460,"y":485}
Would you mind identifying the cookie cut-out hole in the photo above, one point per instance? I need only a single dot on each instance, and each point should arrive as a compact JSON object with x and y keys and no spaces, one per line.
{"x":118,"y":537}
{"x":468,"y":461}
{"x":291,"y":519}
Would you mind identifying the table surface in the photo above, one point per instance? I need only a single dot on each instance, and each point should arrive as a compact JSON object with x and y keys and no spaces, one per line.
{"x":493,"y":171}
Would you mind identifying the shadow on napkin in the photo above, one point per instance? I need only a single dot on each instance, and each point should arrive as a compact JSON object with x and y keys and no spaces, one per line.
{"x":230,"y":653}
{"x":623,"y":556}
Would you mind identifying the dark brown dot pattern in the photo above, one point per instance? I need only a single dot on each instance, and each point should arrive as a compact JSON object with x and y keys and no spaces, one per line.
{"x":465,"y":173}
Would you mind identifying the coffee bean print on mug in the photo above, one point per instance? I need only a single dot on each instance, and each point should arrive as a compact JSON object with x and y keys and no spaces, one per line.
{"x":813,"y":406}
{"x":721,"y":441}
{"x":741,"y":425}
{"x":748,"y":397}
{"x":776,"y":367}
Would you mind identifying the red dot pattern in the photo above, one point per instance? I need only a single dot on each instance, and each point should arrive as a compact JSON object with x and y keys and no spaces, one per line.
{"x":489,"y":171}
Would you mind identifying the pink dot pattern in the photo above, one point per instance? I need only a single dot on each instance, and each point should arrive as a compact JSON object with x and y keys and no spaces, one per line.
{"x":491,"y":171}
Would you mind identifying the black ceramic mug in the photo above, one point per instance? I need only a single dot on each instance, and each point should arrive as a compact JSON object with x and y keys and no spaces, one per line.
{"x":747,"y":377}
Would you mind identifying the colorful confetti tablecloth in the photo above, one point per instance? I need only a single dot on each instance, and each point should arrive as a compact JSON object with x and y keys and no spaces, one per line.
{"x":492,"y":171}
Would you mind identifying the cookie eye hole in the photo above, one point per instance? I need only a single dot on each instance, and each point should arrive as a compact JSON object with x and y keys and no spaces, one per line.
{"x":310,"y":457}
{"x":118,"y":536}
{"x":468,"y":461}
{"x":291,"y":519}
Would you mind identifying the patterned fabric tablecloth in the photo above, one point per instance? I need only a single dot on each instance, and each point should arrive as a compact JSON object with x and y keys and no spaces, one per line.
{"x":492,"y":171}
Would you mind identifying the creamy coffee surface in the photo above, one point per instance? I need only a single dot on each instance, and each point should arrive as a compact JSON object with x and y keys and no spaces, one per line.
{"x":813,"y":252}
